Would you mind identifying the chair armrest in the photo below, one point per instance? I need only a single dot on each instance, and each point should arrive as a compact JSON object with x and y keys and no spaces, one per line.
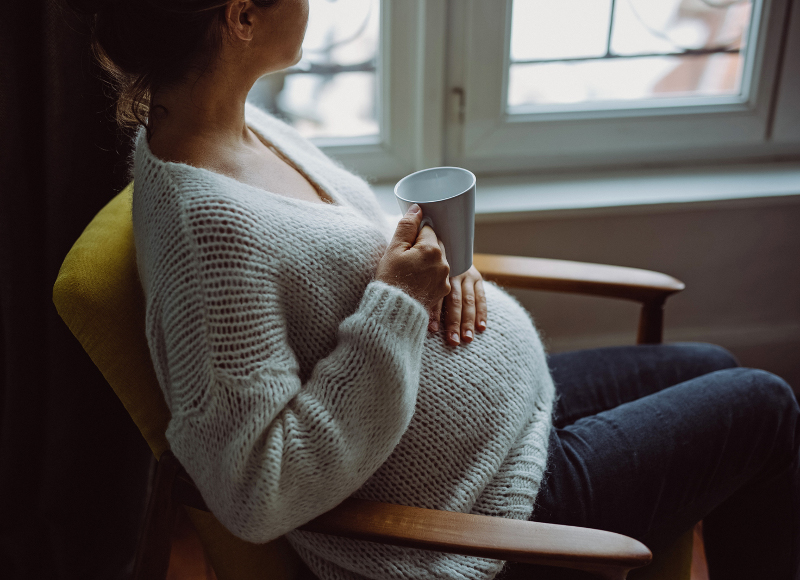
{"x":650,"y":288}
{"x":577,"y":277}
{"x":605,"y":553}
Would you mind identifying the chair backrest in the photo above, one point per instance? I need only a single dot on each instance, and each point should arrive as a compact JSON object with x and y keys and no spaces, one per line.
{"x":99,"y":296}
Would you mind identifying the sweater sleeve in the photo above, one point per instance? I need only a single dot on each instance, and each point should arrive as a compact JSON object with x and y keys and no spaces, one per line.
{"x":268,"y":450}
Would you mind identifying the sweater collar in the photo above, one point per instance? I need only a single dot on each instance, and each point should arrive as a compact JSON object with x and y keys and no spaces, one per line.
{"x":280,"y":135}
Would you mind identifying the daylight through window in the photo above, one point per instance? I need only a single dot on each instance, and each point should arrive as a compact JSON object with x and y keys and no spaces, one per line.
{"x":574,"y":53}
{"x":333,"y":90}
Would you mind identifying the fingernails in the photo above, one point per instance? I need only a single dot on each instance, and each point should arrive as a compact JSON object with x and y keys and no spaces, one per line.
{"x":481,"y":325}
{"x":454,"y":337}
{"x":468,"y":334}
{"x":433,"y":326}
{"x":414,"y":208}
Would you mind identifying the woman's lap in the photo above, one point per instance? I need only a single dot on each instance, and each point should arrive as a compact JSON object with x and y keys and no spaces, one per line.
{"x":591,"y":381}
{"x":649,"y":440}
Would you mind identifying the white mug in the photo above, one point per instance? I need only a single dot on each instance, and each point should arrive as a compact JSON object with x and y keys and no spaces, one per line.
{"x":447,"y":198}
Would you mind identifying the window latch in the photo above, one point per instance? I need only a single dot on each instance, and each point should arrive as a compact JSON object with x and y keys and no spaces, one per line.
{"x":458,"y":107}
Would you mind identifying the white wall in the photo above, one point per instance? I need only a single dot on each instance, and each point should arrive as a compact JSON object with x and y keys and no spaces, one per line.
{"x":740,"y":260}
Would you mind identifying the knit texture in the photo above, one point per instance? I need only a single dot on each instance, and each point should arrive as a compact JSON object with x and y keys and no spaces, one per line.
{"x":295,"y":380}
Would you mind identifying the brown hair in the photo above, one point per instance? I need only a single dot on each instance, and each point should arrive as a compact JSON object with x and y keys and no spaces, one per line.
{"x":145,"y":45}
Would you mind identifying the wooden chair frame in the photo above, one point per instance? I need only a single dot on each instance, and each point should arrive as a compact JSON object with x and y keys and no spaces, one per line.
{"x":605,"y":554}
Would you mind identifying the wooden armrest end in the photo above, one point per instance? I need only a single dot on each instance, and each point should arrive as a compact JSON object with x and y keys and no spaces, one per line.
{"x":577,"y":277}
{"x":608,"y":554}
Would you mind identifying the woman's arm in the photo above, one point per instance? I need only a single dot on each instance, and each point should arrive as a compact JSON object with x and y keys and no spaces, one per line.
{"x":267,"y":450}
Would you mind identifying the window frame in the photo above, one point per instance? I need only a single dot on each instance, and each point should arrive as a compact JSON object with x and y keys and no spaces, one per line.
{"x":411,"y":65}
{"x":785,"y":128}
{"x":492,"y":141}
{"x":440,"y":104}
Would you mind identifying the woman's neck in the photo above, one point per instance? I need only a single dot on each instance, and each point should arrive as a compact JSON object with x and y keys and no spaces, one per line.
{"x":206,"y":108}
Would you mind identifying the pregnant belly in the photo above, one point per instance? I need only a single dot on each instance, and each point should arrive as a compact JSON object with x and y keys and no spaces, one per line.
{"x":472,"y":406}
{"x":506,"y":348}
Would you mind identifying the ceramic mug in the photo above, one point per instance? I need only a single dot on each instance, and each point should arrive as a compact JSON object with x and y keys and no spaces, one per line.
{"x":447,"y":198}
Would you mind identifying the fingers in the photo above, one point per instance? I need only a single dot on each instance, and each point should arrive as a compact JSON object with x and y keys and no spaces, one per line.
{"x":415,"y":262}
{"x":467,"y":310}
{"x":408,"y":227}
{"x":435,"y":316}
{"x":452,"y":313}
{"x":436,"y":313}
{"x":480,"y":307}
{"x":427,"y":237}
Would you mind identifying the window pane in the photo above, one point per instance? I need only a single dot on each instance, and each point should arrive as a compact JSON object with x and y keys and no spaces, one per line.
{"x":669,"y":48}
{"x":622,"y":79}
{"x":333,"y":90}
{"x":544,"y":29}
{"x":644,"y":26}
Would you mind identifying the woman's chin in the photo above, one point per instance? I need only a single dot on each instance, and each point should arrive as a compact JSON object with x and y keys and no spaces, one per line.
{"x":288,"y":63}
{"x":298,"y":57}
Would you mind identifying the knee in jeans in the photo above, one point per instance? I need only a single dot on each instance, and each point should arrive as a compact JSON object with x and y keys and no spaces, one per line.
{"x":771,"y":391}
{"x":778,"y":403}
{"x":779,"y":388}
{"x":711,"y":356}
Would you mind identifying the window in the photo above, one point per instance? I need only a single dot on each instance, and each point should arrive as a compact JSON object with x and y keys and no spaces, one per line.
{"x":333,"y":91}
{"x":579,"y":54}
{"x":734,"y":121}
{"x":406,"y":84}
{"x":497,"y":86}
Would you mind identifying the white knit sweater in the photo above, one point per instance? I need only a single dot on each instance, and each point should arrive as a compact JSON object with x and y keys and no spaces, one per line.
{"x":295,"y":380}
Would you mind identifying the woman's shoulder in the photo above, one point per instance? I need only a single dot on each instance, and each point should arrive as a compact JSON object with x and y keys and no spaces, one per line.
{"x":152,"y":173}
{"x":188,"y":193}
{"x":175,"y":205}
{"x":161,"y":184}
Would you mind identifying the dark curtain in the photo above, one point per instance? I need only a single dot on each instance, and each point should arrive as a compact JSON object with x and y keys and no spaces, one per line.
{"x":73,"y":467}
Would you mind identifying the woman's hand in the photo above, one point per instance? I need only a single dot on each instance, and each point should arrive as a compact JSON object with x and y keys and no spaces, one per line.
{"x":464,"y":309}
{"x":415,"y":262}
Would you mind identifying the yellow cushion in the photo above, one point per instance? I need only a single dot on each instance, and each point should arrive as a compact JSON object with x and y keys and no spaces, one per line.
{"x":99,"y":296}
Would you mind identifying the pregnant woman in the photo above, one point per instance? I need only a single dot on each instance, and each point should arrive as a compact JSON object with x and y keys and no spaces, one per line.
{"x":296,"y":336}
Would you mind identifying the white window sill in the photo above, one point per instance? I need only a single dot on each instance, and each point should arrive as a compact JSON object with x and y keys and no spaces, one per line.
{"x":515,"y":198}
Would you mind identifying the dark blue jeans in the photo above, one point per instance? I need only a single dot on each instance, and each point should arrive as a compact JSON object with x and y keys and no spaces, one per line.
{"x":649,"y":440}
